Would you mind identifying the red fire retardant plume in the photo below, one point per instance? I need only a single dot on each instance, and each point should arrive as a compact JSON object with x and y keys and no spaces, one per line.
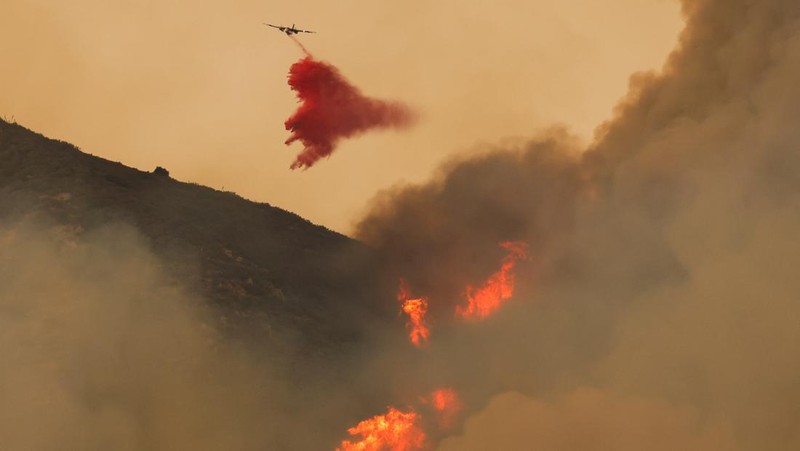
{"x":331,"y":109}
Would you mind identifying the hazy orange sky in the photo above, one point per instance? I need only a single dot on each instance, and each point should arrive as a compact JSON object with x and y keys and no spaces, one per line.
{"x":200,"y":87}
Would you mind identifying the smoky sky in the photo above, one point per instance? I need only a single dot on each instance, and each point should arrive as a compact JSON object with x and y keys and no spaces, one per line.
{"x":660,"y":285}
{"x":658,"y":305}
{"x":200,"y":89}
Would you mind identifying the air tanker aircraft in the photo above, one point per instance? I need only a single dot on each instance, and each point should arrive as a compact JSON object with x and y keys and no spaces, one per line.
{"x":288,"y":30}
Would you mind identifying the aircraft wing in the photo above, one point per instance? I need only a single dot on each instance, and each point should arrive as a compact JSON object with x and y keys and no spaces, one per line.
{"x":306,"y":31}
{"x":273,"y":26}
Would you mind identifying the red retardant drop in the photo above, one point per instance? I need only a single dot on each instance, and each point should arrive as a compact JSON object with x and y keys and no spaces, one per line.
{"x":331,"y":108}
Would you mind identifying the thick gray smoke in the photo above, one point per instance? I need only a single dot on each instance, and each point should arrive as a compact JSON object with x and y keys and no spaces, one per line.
{"x":659,"y":309}
{"x":102,"y":350}
{"x":661,"y":299}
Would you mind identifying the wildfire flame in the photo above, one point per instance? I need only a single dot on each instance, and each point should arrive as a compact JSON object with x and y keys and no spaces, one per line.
{"x":401,"y":431}
{"x":447,"y":404}
{"x":393,"y":431}
{"x":484,"y":301}
{"x":416,"y":309}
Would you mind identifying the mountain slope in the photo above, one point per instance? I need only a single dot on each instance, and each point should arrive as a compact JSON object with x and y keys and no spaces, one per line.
{"x":261,"y":266}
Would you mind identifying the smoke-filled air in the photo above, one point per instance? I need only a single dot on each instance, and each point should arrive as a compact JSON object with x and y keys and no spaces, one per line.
{"x":658,"y":307}
{"x":638,"y":290}
{"x":332,"y":109}
{"x":102,"y":351}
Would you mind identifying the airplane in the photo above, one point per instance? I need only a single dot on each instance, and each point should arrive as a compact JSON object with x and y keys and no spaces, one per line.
{"x":288,"y":30}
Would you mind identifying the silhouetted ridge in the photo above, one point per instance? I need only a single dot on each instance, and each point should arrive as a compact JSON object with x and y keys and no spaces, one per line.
{"x":264,"y":267}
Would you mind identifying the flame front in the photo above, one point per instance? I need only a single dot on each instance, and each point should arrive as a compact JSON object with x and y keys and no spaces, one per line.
{"x":484,"y":301}
{"x":401,"y":431}
{"x":416,"y":309}
{"x":393,"y":431}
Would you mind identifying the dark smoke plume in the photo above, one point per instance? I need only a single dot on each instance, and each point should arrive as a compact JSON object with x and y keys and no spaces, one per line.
{"x":331,"y":109}
{"x":662,"y":283}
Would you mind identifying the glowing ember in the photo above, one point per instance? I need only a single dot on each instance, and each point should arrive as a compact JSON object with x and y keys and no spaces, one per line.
{"x":446,"y":403}
{"x":394,"y":431}
{"x":484,"y":301}
{"x":415,"y":308}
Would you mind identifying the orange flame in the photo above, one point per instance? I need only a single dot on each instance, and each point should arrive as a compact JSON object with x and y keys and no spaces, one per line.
{"x":485,"y":300}
{"x":416,"y":309}
{"x":394,"y":431}
{"x":447,"y":404}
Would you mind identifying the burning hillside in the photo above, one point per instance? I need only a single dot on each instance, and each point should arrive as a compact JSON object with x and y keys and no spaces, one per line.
{"x":660,"y":282}
{"x":643,"y":296}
